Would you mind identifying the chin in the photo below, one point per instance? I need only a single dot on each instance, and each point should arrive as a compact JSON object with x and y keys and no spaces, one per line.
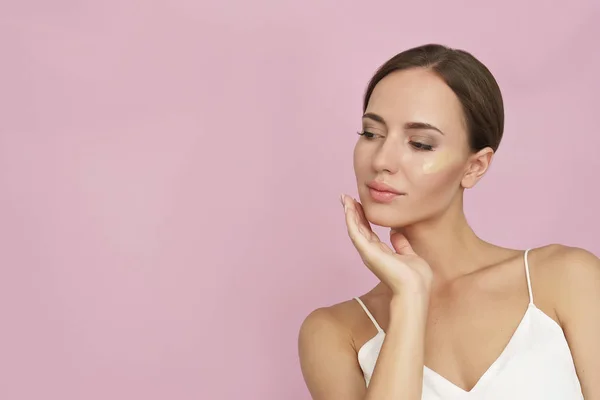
{"x":393,"y":215}
{"x":385,"y":216}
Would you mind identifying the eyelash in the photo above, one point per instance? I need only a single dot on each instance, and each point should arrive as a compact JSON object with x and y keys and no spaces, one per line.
{"x":417,"y":145}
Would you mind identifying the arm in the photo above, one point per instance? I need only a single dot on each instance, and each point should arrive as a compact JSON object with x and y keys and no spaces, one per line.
{"x":398,"y":372}
{"x":578,"y":309}
{"x":330,"y":366}
{"x":328,"y":360}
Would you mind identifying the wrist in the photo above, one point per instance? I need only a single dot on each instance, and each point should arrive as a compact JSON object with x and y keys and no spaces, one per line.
{"x":408,"y":312}
{"x":417,"y":300}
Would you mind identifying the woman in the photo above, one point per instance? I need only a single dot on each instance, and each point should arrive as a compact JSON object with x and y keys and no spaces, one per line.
{"x":454,"y":317}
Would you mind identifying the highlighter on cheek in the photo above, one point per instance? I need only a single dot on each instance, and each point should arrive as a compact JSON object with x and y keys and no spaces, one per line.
{"x":436,"y":163}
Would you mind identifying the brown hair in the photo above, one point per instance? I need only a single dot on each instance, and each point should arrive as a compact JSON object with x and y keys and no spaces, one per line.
{"x":471,"y":81}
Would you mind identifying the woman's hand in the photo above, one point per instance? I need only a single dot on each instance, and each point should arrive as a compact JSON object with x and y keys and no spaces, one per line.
{"x":401,"y":270}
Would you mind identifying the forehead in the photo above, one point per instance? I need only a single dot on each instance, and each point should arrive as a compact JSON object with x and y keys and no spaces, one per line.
{"x":416,"y":95}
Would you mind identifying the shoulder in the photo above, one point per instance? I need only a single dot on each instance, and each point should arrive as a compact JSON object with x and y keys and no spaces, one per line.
{"x":327,"y":354}
{"x":575,"y":274}
{"x":332,"y":321}
{"x":567,"y":262}
{"x":572,"y":275}
{"x":320,"y":320}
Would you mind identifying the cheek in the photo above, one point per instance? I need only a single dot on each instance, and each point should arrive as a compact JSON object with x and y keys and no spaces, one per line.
{"x":355,"y":160}
{"x":433,"y":172}
{"x":440,"y":182}
{"x":437,"y":162}
{"x":360,"y":159}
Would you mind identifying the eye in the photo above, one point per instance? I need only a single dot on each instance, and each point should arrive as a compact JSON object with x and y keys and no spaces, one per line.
{"x":367,"y":135}
{"x":421,"y":146}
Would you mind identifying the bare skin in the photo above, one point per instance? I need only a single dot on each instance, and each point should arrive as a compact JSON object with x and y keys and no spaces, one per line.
{"x":447,"y":299}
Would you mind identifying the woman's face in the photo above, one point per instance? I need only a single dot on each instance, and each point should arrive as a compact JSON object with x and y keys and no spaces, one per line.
{"x":416,"y":142}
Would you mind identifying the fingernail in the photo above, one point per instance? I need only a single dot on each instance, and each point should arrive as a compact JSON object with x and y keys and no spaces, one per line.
{"x":342,"y":199}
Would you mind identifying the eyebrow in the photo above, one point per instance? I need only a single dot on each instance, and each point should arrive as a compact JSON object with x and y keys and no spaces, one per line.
{"x":408,"y":125}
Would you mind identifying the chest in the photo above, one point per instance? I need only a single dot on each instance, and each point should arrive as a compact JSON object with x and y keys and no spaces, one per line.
{"x":535,"y":364}
{"x":466,"y":335}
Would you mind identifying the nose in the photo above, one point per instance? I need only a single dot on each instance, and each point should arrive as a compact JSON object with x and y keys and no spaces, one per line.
{"x":387,"y":156}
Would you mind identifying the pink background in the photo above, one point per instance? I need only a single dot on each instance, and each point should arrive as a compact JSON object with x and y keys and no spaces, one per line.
{"x":170,"y":174}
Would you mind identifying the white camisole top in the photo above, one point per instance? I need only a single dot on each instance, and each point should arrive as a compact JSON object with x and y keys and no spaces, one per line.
{"x":536,"y":364}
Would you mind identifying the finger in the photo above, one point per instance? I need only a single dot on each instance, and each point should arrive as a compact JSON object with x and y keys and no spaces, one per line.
{"x":384,"y":247}
{"x":361,"y":213}
{"x":363,"y":222}
{"x":352,"y":217}
{"x":359,"y":234}
{"x":352,"y":222}
{"x":372,"y":253}
{"x":400,"y":243}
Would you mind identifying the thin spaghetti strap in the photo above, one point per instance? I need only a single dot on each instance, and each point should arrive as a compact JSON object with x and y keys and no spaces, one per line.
{"x":369,"y":314}
{"x":528,"y":278}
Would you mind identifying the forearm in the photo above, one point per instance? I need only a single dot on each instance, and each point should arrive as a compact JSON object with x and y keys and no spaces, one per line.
{"x":398,"y":372}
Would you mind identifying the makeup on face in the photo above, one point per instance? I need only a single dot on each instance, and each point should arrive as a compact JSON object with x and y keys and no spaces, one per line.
{"x":437,"y":162}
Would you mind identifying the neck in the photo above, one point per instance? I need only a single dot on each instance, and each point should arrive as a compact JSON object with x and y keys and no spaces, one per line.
{"x":448,"y":243}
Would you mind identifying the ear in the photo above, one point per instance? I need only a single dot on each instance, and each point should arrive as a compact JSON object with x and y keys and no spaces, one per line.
{"x":477,"y":166}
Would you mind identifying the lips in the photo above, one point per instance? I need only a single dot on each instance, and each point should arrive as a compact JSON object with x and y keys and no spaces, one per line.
{"x":382,"y":187}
